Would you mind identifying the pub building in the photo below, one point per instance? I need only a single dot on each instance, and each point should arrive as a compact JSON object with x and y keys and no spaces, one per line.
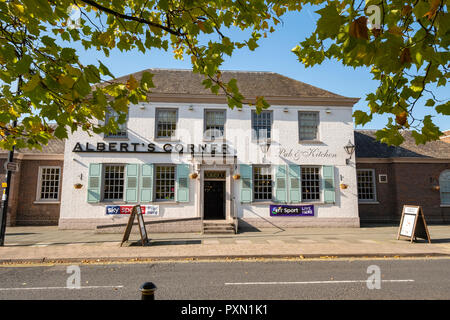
{"x":194,"y":164}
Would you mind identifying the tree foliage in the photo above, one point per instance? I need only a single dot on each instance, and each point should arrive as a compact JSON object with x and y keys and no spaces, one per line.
{"x":43,"y":80}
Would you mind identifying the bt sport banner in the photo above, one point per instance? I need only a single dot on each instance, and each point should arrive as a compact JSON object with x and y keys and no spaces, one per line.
{"x":291,"y":211}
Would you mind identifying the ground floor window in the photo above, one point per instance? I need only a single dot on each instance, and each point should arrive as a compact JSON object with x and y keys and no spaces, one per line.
{"x":310,"y":183}
{"x":165,"y":182}
{"x":113,"y":177}
{"x":262,"y":183}
{"x":48,"y":185}
{"x":366,"y":184}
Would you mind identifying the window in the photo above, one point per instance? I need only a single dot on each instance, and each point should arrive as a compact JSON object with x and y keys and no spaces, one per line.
{"x":444,"y":187}
{"x":122,"y":131}
{"x":261,"y":125}
{"x":113,"y":177}
{"x":214,"y":124}
{"x":48,"y":185}
{"x":165,"y":182}
{"x":308,"y":123}
{"x":366,"y":184}
{"x":310,"y":183}
{"x":166,"y":123}
{"x":262,"y":183}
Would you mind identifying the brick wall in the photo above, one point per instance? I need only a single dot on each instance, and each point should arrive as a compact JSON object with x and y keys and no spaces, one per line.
{"x":408,"y":183}
{"x":23,"y":208}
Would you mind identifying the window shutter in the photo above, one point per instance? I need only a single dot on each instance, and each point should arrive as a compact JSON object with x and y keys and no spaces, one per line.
{"x":131,"y":182}
{"x":280,"y":184}
{"x":182,"y":194}
{"x":246,"y":183}
{"x":295,"y":194}
{"x":94,"y":182}
{"x":146,"y":182}
{"x":329,"y":194}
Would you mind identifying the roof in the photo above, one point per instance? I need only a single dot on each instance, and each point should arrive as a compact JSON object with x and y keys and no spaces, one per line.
{"x":368,"y":147}
{"x":54,"y":146}
{"x":251,"y":84}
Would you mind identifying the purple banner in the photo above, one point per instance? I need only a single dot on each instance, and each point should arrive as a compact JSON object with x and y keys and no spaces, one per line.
{"x":291,"y":211}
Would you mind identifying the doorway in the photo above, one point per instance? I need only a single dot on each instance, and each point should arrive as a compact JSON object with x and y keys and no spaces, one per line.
{"x":214,"y":199}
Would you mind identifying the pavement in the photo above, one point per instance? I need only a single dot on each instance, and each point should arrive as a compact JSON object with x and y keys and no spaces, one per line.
{"x":48,"y":244}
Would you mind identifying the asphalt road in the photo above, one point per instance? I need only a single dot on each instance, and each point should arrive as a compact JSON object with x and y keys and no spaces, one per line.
{"x":281,"y":280}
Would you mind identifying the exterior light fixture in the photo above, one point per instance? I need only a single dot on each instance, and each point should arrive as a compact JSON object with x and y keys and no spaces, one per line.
{"x":349,"y":148}
{"x":265,"y":145}
{"x":191,"y":107}
{"x":285,"y":110}
{"x":328,"y":110}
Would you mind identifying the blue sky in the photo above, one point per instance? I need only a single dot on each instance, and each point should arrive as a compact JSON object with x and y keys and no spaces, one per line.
{"x":274,"y":54}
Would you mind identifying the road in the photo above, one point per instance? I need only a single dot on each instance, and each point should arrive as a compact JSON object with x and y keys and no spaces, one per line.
{"x":259,"y":280}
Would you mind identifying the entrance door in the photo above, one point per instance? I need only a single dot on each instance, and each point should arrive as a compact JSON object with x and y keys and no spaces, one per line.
{"x":214,"y":200}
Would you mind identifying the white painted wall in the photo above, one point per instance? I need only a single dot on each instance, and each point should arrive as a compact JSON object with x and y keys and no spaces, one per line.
{"x":335,"y":130}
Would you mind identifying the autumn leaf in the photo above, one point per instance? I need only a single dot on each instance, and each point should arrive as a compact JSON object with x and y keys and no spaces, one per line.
{"x":405,"y":56}
{"x":132,"y":83}
{"x":401,"y":118}
{"x":434,"y":5}
{"x":358,"y":28}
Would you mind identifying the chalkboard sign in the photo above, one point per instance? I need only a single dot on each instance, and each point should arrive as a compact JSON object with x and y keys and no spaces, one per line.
{"x":136,"y":212}
{"x":412,"y":224}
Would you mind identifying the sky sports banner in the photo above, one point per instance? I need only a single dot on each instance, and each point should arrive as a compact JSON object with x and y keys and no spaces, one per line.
{"x":291,"y":211}
{"x":146,"y":209}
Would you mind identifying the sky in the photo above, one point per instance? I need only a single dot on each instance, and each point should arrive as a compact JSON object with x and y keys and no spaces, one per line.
{"x":274,"y":55}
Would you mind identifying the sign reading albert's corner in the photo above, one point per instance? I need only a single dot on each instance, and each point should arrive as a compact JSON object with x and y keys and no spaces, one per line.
{"x":291,"y":211}
{"x":135,"y":147}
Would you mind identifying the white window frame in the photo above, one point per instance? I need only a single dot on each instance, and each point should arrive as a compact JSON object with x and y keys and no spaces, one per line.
{"x":123,"y":127}
{"x":320,"y":200}
{"x":174,"y":136}
{"x":317,"y":138}
{"x":374,"y":186}
{"x":206,"y":138}
{"x":103,"y":180}
{"x":155,"y":180}
{"x":39,"y":185}
{"x":256,"y":138}
{"x":270,"y":169}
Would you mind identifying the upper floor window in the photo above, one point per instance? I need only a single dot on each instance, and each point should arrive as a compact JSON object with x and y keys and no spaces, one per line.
{"x":308,"y":124}
{"x":366,"y":184}
{"x":262,"y":183}
{"x":49,"y":183}
{"x":214,"y":124}
{"x":261,"y":125}
{"x":122,"y":131}
{"x":166,"y":123}
{"x":113,"y":182}
{"x":444,"y":187}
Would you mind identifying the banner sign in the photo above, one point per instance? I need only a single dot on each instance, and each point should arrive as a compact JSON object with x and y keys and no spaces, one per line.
{"x":291,"y":211}
{"x":145,"y":209}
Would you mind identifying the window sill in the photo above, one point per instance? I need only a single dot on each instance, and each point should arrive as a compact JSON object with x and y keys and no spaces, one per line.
{"x":445,"y":205}
{"x":116,"y":139}
{"x":368,"y":202}
{"x":218,"y":139}
{"x":46,"y":202}
{"x":167,"y":139}
{"x":310,"y":142}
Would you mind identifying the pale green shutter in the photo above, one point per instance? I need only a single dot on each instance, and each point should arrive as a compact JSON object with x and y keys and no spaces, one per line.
{"x":246,"y":183}
{"x":94,"y":182}
{"x":182,"y":183}
{"x":146,"y":182}
{"x":280,"y":183}
{"x":329,"y":194}
{"x":131,"y":182}
{"x":295,"y":194}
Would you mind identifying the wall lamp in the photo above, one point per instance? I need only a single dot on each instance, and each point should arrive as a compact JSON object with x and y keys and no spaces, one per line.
{"x":349,"y":148}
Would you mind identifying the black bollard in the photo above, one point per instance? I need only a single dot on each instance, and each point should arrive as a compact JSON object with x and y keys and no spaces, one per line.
{"x":148,"y":291}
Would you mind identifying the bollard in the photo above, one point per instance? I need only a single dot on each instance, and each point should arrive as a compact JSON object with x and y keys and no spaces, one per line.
{"x":148,"y":291}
